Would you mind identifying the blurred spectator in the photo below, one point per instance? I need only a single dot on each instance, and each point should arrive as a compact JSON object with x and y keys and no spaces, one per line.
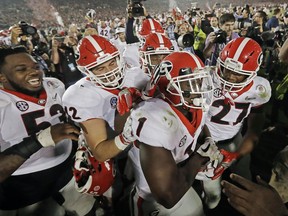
{"x":104,"y":29}
{"x":279,"y":177}
{"x":237,"y":13}
{"x":214,"y":23}
{"x":273,"y":22}
{"x":254,"y":198}
{"x":258,"y":27}
{"x":90,"y":31}
{"x":184,"y":34}
{"x":170,"y":27}
{"x":199,"y":36}
{"x":119,"y":39}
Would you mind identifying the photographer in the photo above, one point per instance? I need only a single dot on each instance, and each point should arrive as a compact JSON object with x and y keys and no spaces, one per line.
{"x":284,"y":25}
{"x":216,"y":41}
{"x":258,"y":27}
{"x":242,"y":24}
{"x":184,"y":35}
{"x":19,"y":35}
{"x":26,"y":35}
{"x":63,"y":58}
{"x":273,"y":22}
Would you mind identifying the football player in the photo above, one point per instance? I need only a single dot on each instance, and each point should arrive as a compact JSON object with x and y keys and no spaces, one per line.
{"x":239,"y":96}
{"x":92,"y":101}
{"x":36,"y":147}
{"x":165,"y":156}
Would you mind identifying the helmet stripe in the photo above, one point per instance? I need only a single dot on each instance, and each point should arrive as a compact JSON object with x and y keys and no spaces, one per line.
{"x":240,"y":48}
{"x":161,"y":41}
{"x":152,"y":25}
{"x":196,"y":61}
{"x":96,"y":45}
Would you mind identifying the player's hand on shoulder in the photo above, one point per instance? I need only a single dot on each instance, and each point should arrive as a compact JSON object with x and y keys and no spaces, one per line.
{"x":126,"y":137}
{"x":126,"y":98}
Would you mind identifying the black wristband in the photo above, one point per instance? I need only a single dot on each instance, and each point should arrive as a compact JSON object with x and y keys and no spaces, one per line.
{"x":26,"y":148}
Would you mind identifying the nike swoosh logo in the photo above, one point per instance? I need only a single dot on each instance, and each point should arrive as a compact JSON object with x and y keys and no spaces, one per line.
{"x":54,"y":98}
{"x":248,"y":98}
{"x":206,"y":149}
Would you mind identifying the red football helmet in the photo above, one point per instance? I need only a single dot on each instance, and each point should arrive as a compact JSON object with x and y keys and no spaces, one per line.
{"x":154,"y":44}
{"x":91,"y":176}
{"x":183,"y":80}
{"x":94,"y":50}
{"x":242,"y":56}
{"x":150,"y":25}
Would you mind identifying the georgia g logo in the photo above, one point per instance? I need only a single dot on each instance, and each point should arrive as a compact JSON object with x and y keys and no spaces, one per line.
{"x":162,"y":69}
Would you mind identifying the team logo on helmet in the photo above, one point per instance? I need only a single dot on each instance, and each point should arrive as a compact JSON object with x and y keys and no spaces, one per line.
{"x":183,"y":141}
{"x":260,"y":59}
{"x":165,"y":65}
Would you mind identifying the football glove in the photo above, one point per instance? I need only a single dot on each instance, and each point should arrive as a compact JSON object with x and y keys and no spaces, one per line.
{"x":228,"y":160}
{"x":126,"y":137}
{"x":208,"y":173}
{"x":126,"y":98}
{"x":210,"y":149}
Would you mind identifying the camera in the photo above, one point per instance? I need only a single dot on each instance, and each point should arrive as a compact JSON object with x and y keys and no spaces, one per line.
{"x":27,"y":29}
{"x":185,"y":40}
{"x":242,"y":24}
{"x":59,"y":38}
{"x":137,"y":8}
{"x":220,"y":36}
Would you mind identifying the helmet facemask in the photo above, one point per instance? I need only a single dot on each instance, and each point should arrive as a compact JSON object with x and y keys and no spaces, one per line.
{"x":234,"y":67}
{"x":195,"y":90}
{"x":152,"y":58}
{"x":112,"y":79}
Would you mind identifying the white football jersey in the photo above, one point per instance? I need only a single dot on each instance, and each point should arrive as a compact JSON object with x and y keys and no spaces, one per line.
{"x":85,"y":100}
{"x":22,"y":116}
{"x":228,"y":110}
{"x":119,"y":45}
{"x":131,"y":55}
{"x":105,"y":32}
{"x":156,"y":123}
